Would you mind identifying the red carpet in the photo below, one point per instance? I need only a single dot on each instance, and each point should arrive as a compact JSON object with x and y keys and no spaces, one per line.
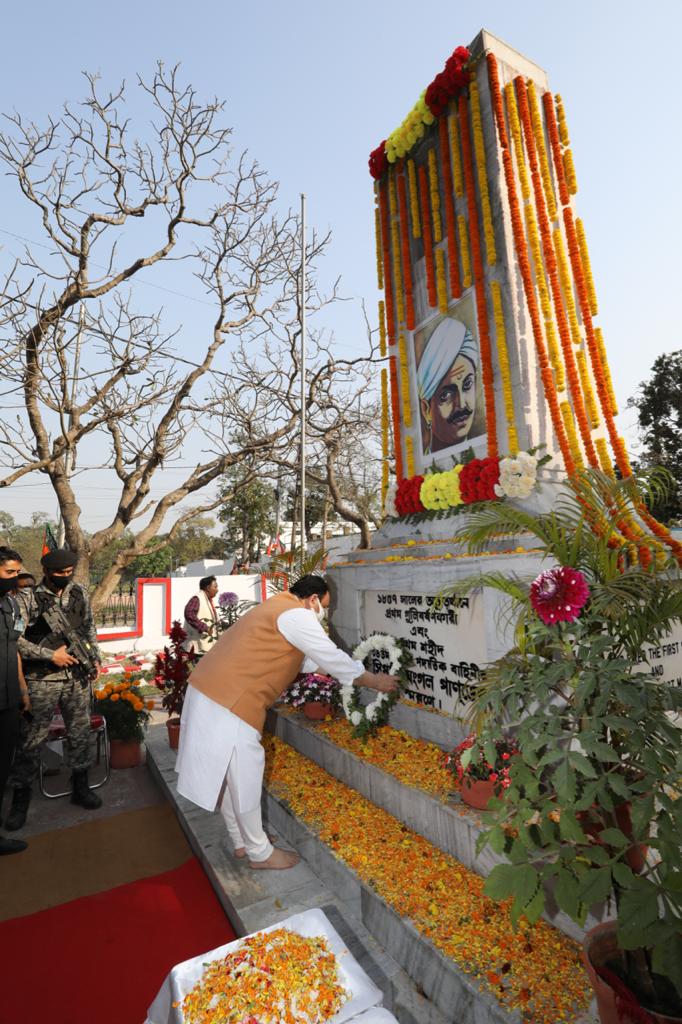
{"x":103,"y":958}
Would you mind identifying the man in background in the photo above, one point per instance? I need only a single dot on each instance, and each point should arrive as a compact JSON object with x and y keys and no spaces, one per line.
{"x":26,"y":579}
{"x":54,"y":679}
{"x":14,"y":698}
{"x":201,"y":617}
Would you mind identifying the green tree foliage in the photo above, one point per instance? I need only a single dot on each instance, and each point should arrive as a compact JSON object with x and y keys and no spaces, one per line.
{"x":659,"y":412}
{"x":26,"y":539}
{"x":247,"y":515}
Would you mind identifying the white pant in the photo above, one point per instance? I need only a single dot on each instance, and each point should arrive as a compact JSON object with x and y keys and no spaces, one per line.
{"x":245,"y":827}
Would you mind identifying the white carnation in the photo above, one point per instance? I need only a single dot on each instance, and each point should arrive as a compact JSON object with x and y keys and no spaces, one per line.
{"x":356,"y":718}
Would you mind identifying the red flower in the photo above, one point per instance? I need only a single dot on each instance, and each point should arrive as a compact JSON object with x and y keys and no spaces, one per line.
{"x":557,"y":595}
{"x":477,"y":480}
{"x":407,"y":498}
{"x":377,"y":160}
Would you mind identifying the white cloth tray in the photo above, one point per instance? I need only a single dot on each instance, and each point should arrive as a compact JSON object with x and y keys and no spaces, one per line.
{"x":364,"y":993}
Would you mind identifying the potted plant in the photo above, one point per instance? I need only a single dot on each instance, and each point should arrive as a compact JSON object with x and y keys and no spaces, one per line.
{"x":598,"y":769}
{"x":230,"y":608}
{"x":173,"y":667}
{"x":127,"y":715}
{"x":316,"y":695}
{"x":477,"y":778}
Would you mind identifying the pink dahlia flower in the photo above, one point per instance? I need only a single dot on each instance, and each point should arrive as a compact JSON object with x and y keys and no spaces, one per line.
{"x":558,"y":595}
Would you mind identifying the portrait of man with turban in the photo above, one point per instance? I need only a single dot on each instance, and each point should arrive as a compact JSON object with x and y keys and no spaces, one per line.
{"x":447,"y":381}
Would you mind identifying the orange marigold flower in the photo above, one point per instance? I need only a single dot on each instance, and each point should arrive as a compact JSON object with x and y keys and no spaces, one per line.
{"x":115,"y":696}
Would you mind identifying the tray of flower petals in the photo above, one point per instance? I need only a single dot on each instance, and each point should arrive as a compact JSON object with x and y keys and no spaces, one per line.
{"x":295,"y":972}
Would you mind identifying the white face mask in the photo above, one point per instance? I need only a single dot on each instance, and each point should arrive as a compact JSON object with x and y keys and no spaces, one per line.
{"x":320,"y":612}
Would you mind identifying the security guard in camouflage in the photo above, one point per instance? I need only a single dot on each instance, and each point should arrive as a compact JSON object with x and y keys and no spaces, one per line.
{"x":54,"y":680}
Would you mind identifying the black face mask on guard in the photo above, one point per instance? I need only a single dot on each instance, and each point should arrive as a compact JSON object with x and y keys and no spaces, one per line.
{"x":58,"y":582}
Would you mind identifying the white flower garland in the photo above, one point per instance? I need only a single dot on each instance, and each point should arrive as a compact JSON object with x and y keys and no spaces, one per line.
{"x":366,"y":719}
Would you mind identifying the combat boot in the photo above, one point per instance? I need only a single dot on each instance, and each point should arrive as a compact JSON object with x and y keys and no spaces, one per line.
{"x":82,"y":794}
{"x":16,"y":818}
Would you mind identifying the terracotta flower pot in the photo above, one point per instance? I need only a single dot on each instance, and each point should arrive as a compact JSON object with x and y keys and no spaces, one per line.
{"x":125,"y":753}
{"x":599,"y":947}
{"x":477,"y":792}
{"x":173,"y":726}
{"x":316,"y":712}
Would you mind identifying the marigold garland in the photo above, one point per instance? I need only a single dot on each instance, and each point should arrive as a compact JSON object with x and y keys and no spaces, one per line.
{"x":464,"y":249}
{"x":404,"y":384}
{"x":441,"y":283}
{"x":545,"y":303}
{"x":604,"y":458}
{"x":555,"y":145}
{"x":409,"y":455}
{"x":561,"y":119}
{"x":405,"y":253}
{"x":395,"y":248}
{"x":535,"y":970}
{"x":427,"y":237}
{"x":517,"y":139}
{"x":450,"y":226}
{"x":434,"y":196}
{"x":482,"y":174}
{"x":385,"y":426}
{"x":414,"y":199}
{"x":479,"y":282}
{"x":567,"y":287}
{"x":457,"y":174}
{"x":503,"y":361}
{"x":606,"y":369}
{"x":524,"y":267}
{"x":567,"y":414}
{"x":395,"y":415}
{"x":587,"y":266}
{"x":382,"y":329}
{"x":377,"y":238}
{"x":588,"y":391}
{"x":539,"y":133}
{"x":569,"y":171}
{"x":551,"y":265}
{"x":386,"y":250}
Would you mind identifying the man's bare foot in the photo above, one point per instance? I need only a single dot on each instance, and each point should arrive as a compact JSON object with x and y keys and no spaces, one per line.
{"x":277,"y":861}
{"x":240,"y":852}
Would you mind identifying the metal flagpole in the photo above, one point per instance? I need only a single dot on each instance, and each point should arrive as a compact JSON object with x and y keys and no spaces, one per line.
{"x":303,"y":393}
{"x":70,"y":457}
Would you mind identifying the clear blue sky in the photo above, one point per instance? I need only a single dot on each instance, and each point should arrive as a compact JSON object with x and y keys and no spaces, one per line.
{"x":312,"y":87}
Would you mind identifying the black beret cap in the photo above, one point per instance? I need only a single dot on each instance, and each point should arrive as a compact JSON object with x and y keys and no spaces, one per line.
{"x":60,"y":559}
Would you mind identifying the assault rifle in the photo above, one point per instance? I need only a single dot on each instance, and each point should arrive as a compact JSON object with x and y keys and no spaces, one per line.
{"x":79,"y":648}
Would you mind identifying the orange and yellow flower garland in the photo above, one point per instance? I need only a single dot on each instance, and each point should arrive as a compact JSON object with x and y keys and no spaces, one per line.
{"x":377,"y":237}
{"x":457,"y":175}
{"x":503,"y":360}
{"x":395,"y":416}
{"x":404,"y":384}
{"x":567,"y":414}
{"x":427,"y":236}
{"x":464,"y":249}
{"x":405,"y":253}
{"x":386,"y":253}
{"x":414,"y":199}
{"x":539,"y":137}
{"x":382,"y":329}
{"x":482,"y":173}
{"x":385,"y":426}
{"x":604,"y":457}
{"x":587,"y":267}
{"x":588,"y":391}
{"x":434,"y":196}
{"x":479,"y":281}
{"x":441,"y":283}
{"x":555,"y":145}
{"x":395,"y":248}
{"x":566,"y":286}
{"x":450,"y":225}
{"x":524,"y":267}
{"x":409,"y":456}
{"x":607,"y":371}
{"x":551,"y":264}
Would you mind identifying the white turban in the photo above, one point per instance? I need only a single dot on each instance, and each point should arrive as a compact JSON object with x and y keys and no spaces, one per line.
{"x":450,"y":339}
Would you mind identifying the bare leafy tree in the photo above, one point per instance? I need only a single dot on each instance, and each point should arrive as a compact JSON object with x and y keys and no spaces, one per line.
{"x":91,"y":372}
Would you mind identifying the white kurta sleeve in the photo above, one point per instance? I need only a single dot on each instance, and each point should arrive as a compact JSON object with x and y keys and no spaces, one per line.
{"x":301,"y":628}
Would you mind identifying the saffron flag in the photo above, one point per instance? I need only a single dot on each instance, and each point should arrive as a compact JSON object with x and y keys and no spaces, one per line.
{"x":49,"y":542}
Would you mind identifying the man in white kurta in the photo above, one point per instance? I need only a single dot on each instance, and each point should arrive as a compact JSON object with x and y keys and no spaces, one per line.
{"x":221,"y":759}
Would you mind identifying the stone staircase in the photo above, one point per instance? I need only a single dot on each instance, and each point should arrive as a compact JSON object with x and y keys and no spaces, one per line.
{"x":448,"y":825}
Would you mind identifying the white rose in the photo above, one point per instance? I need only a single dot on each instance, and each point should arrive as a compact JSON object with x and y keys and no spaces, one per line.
{"x":356,"y":718}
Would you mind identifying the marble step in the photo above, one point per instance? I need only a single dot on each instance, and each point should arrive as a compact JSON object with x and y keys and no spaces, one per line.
{"x":460,"y":997}
{"x":451,"y":826}
{"x":256,"y":899}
